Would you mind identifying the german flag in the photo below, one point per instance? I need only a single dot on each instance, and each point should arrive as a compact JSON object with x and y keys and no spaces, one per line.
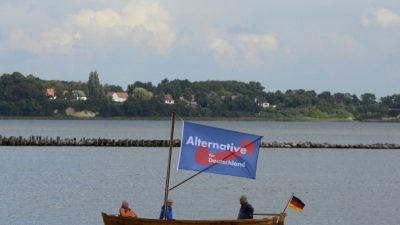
{"x":296,"y":204}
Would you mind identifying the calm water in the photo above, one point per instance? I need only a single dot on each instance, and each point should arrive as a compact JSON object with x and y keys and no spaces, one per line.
{"x":331,"y":132}
{"x":72,"y":185}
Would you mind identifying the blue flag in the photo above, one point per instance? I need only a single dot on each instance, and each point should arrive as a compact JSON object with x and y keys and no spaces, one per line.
{"x":216,"y":150}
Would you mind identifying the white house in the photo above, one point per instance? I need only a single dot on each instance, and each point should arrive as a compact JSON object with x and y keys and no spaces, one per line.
{"x":168,"y":99}
{"x":118,"y":96}
{"x":261,"y":101}
{"x":79,"y":95}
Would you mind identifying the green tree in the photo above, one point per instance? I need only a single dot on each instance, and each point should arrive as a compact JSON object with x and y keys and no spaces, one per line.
{"x":25,"y":96}
{"x":148,"y":86}
{"x":112,"y":88}
{"x":141,"y":94}
{"x":368,"y":99}
{"x":94,"y":87}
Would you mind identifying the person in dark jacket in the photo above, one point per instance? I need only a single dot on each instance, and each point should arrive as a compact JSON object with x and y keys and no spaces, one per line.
{"x":169,"y":214}
{"x":246,"y":210}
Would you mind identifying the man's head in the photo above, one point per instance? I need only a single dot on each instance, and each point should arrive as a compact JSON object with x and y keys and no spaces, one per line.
{"x":243,"y":199}
{"x":125,"y":204}
{"x":169,"y":202}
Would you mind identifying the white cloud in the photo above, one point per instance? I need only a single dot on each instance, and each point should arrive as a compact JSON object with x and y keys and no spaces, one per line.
{"x":52,"y":41}
{"x":101,"y":19}
{"x":387,"y":18}
{"x":144,"y":25}
{"x":382,"y":17}
{"x":247,"y":48}
{"x":224,"y":53}
{"x":254,"y":46}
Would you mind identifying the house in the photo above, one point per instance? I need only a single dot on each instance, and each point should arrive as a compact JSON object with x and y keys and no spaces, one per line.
{"x":79,"y":95}
{"x":261,"y":101}
{"x":168,"y":99}
{"x":193,"y":101}
{"x":51,"y":93}
{"x":118,"y":96}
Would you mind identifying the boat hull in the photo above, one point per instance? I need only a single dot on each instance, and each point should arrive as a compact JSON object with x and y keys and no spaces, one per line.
{"x":116,"y":220}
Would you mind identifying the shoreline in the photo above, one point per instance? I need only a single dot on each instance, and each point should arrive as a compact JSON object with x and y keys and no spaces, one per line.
{"x":197,"y":119}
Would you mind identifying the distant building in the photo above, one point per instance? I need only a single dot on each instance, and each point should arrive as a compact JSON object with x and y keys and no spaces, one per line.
{"x":51,"y":93}
{"x":261,"y":101}
{"x":79,"y":95}
{"x":193,"y":101}
{"x":118,"y":96}
{"x":168,"y":99}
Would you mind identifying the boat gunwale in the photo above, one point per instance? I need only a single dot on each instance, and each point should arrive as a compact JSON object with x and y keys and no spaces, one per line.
{"x":222,"y":221}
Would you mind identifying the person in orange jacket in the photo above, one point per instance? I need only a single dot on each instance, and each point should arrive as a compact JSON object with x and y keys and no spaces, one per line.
{"x":125,"y":211}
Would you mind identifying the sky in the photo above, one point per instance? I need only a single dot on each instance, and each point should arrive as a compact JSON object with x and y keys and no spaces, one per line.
{"x":346,"y":46}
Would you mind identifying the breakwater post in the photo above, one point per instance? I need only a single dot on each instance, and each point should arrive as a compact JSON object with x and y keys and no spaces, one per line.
{"x":104,"y":142}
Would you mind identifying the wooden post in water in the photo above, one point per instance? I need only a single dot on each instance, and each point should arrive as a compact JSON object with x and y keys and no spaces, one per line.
{"x":171,"y":140}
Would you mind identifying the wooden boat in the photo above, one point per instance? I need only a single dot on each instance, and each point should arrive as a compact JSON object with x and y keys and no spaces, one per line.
{"x":272,"y":219}
{"x":275,"y":219}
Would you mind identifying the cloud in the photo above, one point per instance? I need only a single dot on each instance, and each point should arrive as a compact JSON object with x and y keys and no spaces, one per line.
{"x":382,"y":17}
{"x":52,"y":41}
{"x":223,"y":51}
{"x":248,"y":48}
{"x":142,"y":25}
{"x":101,"y":19}
{"x":254,"y":46}
{"x":146,"y":26}
{"x":346,"y":44}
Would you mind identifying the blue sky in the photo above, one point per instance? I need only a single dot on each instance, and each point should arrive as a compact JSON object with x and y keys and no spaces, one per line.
{"x":332,"y":45}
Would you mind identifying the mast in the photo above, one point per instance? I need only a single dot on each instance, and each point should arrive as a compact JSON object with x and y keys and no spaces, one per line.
{"x":171,"y":140}
{"x":287,"y":204}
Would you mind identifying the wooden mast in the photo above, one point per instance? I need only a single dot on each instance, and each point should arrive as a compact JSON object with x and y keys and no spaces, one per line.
{"x":171,"y":140}
{"x":287,"y":204}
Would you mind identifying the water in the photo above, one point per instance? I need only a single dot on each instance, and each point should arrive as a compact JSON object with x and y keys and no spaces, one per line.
{"x":72,"y":185}
{"x":330,"y":132}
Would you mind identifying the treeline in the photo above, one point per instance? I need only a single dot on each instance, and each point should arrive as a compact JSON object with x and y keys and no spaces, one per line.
{"x":27,"y":96}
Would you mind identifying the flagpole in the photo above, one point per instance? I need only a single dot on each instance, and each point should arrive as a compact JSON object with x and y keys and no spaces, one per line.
{"x":171,"y":140}
{"x":201,"y":171}
{"x":287,"y":204}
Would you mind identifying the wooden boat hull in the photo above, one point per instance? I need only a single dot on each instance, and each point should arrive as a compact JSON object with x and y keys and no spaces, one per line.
{"x":116,"y":220}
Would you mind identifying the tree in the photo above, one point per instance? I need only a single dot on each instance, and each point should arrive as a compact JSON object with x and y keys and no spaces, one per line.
{"x":141,"y":94}
{"x":391,"y":101}
{"x":112,"y":88}
{"x":94,"y":87}
{"x":368,"y":99}
{"x":24,"y":96}
{"x":148,"y":86}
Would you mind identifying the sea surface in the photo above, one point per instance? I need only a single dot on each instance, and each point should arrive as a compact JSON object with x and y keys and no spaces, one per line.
{"x":73,"y":185}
